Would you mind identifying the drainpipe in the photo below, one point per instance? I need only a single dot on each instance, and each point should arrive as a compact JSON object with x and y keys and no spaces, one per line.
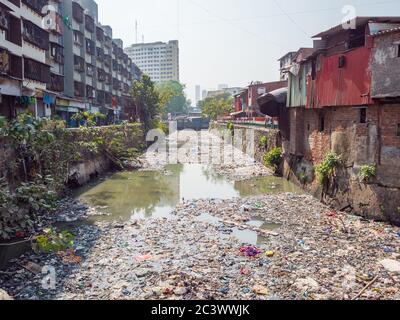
{"x":36,"y":108}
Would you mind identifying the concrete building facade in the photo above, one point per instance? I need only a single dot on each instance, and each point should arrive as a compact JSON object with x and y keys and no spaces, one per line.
{"x":23,"y":46}
{"x":159,"y":60}
{"x":57,"y":59}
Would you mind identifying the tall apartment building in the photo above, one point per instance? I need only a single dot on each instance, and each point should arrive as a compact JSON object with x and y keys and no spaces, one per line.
{"x":98,"y":73}
{"x":158,"y":60}
{"x":57,"y":59}
{"x":24,"y":72}
{"x":197,"y":94}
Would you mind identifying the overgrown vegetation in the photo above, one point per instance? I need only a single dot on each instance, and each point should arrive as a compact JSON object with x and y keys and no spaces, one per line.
{"x":88,"y":119}
{"x":218,"y":106}
{"x":231,"y":127}
{"x":52,"y":242}
{"x":263,"y":144}
{"x":367,"y":172}
{"x":273,"y":158}
{"x":172,"y":97}
{"x":148,"y":100}
{"x":41,"y":162}
{"x":326,"y":169}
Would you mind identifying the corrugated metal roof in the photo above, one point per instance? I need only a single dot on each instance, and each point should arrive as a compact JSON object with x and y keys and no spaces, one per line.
{"x":383,"y":28}
{"x":359,"y":21}
{"x":303,"y":54}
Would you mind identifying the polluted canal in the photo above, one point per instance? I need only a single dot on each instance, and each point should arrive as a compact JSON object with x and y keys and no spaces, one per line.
{"x":199,"y":231}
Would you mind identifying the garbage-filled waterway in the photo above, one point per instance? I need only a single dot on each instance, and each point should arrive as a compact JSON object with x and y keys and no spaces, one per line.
{"x":202,"y":231}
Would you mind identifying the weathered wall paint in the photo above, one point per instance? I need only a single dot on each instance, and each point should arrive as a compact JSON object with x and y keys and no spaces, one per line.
{"x":297,"y":93}
{"x":385,"y":66}
{"x":345,"y":86}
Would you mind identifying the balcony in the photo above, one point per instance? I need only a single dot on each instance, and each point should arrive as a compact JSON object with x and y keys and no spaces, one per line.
{"x":78,"y":38}
{"x":79,"y":64}
{"x":89,"y":23}
{"x":36,"y":5}
{"x":57,"y":53}
{"x":101,"y":75}
{"x":99,"y":34}
{"x":10,"y":64}
{"x":90,"y":93}
{"x":101,"y":97}
{"x":90,"y":47}
{"x":100,"y":54}
{"x":77,"y":12}
{"x":37,"y":71}
{"x":56,"y":82}
{"x":79,"y":89}
{"x":35,"y":35}
{"x":90,"y":70}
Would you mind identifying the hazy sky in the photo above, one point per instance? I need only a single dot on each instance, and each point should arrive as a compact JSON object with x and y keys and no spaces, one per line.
{"x":231,"y":41}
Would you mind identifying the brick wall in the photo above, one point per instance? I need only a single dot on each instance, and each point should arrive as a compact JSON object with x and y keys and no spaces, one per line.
{"x":373,"y":142}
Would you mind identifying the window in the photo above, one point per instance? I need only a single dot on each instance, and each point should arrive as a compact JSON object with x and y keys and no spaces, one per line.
{"x":17,"y":3}
{"x":321,"y":123}
{"x":90,"y":47}
{"x":79,"y":64}
{"x":398,"y":130}
{"x":398,"y":50}
{"x":89,"y":23}
{"x":35,"y":70}
{"x":15,"y":66}
{"x":79,"y":89}
{"x":56,"y":82}
{"x":56,"y":52}
{"x":36,"y":5}
{"x":90,"y":70}
{"x":77,"y":12}
{"x":363,"y":115}
{"x":78,"y":38}
{"x":4,"y":19}
{"x":342,"y":62}
{"x":313,"y":69}
{"x":14,"y":32}
{"x":35,"y":35}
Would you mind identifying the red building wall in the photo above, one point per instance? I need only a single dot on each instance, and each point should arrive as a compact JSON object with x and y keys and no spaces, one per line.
{"x":347,"y":86}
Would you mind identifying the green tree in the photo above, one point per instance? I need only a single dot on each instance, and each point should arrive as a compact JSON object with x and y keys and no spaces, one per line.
{"x":215,"y":107}
{"x":172,"y":97}
{"x":148,"y":100}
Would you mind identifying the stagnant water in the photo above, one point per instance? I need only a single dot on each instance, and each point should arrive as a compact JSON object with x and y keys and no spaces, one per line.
{"x":146,"y":194}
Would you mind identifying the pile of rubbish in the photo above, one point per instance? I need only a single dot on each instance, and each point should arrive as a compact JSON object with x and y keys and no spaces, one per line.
{"x":198,"y":253}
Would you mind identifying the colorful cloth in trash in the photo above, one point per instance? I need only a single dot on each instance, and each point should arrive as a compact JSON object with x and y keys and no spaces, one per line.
{"x":250,"y":251}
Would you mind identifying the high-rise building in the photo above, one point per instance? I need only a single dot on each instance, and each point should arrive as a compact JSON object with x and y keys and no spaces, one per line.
{"x":204,"y":94}
{"x":24,"y":70}
{"x":159,"y":60}
{"x":222,"y":86}
{"x":57,"y":59}
{"x":197,"y":94}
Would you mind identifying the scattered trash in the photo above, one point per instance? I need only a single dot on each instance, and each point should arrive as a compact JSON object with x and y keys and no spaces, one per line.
{"x":4,"y":296}
{"x":260,"y":290}
{"x":244,"y":272}
{"x":33,"y":267}
{"x":307,"y":285}
{"x":192,"y":258}
{"x":143,"y":258}
{"x":250,"y":251}
{"x":391,"y":265}
{"x":270,"y":254}
{"x":69,"y":257}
